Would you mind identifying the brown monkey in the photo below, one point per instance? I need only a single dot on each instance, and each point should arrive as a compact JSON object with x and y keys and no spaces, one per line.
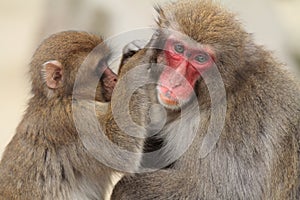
{"x":46,"y":158}
{"x":256,"y":155}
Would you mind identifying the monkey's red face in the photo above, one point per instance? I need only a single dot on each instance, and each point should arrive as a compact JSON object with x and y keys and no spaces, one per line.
{"x":185,"y":64}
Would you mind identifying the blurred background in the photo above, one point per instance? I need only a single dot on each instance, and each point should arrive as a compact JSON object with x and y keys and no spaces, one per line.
{"x":275,"y":24}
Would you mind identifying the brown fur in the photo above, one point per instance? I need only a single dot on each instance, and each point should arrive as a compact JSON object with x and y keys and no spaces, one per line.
{"x":46,"y":159}
{"x":257,"y":154}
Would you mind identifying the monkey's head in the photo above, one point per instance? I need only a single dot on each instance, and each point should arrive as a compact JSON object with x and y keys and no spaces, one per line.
{"x":61,"y":58}
{"x":194,"y":36}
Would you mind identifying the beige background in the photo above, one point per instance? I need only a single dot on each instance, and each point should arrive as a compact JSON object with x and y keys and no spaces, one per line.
{"x":276,"y":24}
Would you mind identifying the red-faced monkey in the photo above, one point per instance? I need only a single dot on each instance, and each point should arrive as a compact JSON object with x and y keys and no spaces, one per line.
{"x":255,"y":155}
{"x":46,"y":158}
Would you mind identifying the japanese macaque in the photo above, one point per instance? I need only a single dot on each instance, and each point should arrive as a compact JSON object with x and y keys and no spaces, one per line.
{"x":46,"y":159}
{"x":232,"y":112}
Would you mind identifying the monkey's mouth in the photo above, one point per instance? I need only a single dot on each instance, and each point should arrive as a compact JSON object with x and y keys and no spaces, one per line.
{"x":166,"y":96}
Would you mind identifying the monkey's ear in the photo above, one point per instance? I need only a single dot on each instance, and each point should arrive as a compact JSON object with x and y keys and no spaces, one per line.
{"x":53,"y":74}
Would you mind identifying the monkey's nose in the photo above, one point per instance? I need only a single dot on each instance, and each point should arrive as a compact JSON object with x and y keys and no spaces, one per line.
{"x":188,"y":54}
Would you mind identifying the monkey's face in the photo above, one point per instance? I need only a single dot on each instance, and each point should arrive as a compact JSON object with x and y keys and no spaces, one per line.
{"x":195,"y":36}
{"x":107,"y":81}
{"x":87,"y":76}
{"x":72,"y":62}
{"x":94,"y":79}
{"x":185,"y":60}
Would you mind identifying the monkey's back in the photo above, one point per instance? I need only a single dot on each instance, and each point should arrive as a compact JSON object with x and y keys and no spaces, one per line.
{"x":48,"y":160}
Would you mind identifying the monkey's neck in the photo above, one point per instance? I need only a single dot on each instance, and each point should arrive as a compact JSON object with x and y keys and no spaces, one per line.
{"x":48,"y":121}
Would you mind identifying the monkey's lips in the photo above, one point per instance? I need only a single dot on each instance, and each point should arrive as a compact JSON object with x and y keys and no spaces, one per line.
{"x":166,"y":96}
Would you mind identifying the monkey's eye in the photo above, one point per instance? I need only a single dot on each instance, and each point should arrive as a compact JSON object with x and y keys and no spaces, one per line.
{"x":201,"y":58}
{"x":179,"y":48}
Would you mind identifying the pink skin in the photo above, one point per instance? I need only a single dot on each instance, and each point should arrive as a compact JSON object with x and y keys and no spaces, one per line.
{"x":176,"y":82}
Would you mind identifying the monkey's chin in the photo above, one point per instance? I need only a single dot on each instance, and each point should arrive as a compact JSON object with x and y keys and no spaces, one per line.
{"x":168,"y":102}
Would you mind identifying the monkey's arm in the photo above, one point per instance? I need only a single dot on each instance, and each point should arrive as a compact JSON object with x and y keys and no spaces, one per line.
{"x":156,"y":185}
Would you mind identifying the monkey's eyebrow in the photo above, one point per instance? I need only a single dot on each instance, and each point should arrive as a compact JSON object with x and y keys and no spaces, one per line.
{"x":103,"y":61}
{"x":108,"y":56}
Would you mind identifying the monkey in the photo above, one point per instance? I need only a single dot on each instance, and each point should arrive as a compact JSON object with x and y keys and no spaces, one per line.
{"x":47,"y":158}
{"x":255,"y":153}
